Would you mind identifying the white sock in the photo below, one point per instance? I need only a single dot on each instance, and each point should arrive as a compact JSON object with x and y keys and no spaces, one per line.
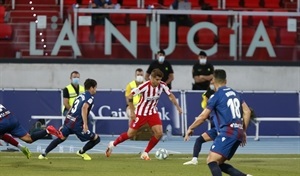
{"x":20,"y":146}
{"x":195,"y":159}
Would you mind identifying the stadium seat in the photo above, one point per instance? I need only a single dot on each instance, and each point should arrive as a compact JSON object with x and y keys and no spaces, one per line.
{"x":199,"y":18}
{"x":247,"y":35}
{"x":83,"y":34}
{"x":182,"y":32}
{"x":130,"y":3}
{"x":99,"y":33}
{"x":287,"y":38}
{"x":224,"y":35}
{"x":140,"y":18}
{"x":6,"y":31}
{"x":220,"y":20}
{"x":206,"y":36}
{"x":232,"y":4}
{"x":257,"y":19}
{"x":272,"y":4}
{"x":272,"y":33}
{"x":117,"y":18}
{"x":252,"y":4}
{"x":164,"y":34}
{"x":143,"y":34}
{"x":2,"y":14}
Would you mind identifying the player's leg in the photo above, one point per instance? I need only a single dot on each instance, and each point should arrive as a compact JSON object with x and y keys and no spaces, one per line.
{"x":65,"y":132}
{"x":93,"y":139}
{"x":132,"y":130}
{"x":156,"y":126}
{"x":209,"y":135}
{"x":9,"y":139}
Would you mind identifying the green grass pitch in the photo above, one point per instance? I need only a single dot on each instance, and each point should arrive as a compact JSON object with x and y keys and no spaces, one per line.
{"x":15,"y":163}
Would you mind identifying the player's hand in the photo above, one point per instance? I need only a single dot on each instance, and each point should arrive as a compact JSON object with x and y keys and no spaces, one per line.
{"x":85,"y":128}
{"x":188,"y":133}
{"x":179,"y":110}
{"x":244,"y":141}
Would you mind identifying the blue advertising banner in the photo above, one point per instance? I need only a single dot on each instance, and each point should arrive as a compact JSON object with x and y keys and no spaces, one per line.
{"x":111,"y":107}
{"x":264,"y":105}
{"x":25,"y":103}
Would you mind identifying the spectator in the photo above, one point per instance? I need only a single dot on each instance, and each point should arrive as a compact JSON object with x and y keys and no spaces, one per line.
{"x":98,"y":18}
{"x":202,"y":73}
{"x":163,"y":66}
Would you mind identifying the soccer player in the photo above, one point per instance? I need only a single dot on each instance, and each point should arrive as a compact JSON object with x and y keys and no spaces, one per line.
{"x":9,"y":124}
{"x":76,"y":122}
{"x":146,"y":112}
{"x":207,"y":136}
{"x":227,"y":104}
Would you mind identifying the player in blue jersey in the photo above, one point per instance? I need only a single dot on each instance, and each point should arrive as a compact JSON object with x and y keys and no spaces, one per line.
{"x":228,"y":105}
{"x":76,"y":122}
{"x":208,"y":135}
{"x":9,"y":124}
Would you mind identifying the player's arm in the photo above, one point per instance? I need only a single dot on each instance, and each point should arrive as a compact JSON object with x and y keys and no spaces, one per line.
{"x":246,"y":115}
{"x":66,"y":99}
{"x":198,"y":121}
{"x":174,"y":101}
{"x":170,"y":78}
{"x":127,"y":93}
{"x":84,"y":114}
{"x":131,"y":106}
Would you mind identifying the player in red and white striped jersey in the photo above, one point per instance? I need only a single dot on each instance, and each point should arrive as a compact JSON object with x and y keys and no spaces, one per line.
{"x":146,"y":112}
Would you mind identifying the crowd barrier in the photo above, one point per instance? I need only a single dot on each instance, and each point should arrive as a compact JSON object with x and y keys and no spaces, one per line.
{"x":277,"y":112}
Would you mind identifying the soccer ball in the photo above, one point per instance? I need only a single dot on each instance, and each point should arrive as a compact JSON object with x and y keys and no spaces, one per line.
{"x":161,"y":154}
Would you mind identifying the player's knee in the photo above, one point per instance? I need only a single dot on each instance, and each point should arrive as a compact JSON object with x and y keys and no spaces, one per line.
{"x":97,"y":140}
{"x":200,"y":140}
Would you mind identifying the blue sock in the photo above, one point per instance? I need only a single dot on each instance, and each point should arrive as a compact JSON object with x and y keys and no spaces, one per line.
{"x":214,"y":168}
{"x":89,"y":145}
{"x":52,"y":145}
{"x":197,"y":146}
{"x":38,"y":135}
{"x":230,"y":170}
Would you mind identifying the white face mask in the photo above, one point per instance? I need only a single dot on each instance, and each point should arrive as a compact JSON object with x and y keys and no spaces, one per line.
{"x":212,"y":87}
{"x":161,"y":59}
{"x":202,"y":61}
{"x":139,"y":78}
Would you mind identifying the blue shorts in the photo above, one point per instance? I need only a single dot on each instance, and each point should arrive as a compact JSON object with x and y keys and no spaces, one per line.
{"x":78,"y":131}
{"x":226,"y":148}
{"x":212,"y":133}
{"x":11,"y":125}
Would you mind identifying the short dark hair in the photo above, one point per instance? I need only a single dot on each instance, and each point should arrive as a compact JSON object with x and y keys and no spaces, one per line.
{"x":138,"y":70}
{"x":74,"y":72}
{"x":202,"y":53}
{"x":156,"y":72}
{"x":220,"y":75}
{"x":88,"y":83}
{"x":161,"y":51}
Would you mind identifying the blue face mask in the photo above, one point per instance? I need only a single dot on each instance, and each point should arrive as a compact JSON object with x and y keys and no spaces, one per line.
{"x":75,"y":81}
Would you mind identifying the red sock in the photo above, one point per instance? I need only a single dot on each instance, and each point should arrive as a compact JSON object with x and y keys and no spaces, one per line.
{"x":152,"y":143}
{"x":7,"y":138}
{"x":123,"y":137}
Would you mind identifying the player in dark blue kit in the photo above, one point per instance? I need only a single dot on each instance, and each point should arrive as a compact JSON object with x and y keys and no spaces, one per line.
{"x":9,"y":124}
{"x":208,"y":135}
{"x":76,"y":122}
{"x":228,"y":105}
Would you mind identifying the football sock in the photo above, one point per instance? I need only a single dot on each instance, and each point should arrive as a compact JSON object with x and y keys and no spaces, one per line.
{"x":9,"y":139}
{"x":52,"y":145}
{"x":197,"y":146}
{"x":153,"y":141}
{"x":89,"y":145}
{"x":38,"y":135}
{"x":230,"y":170}
{"x":214,"y":168}
{"x":123,"y":137}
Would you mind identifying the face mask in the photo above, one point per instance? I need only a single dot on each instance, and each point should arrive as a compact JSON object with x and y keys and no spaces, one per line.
{"x":212,"y":87}
{"x":202,"y":61}
{"x":161,"y":59}
{"x":75,"y":81}
{"x":139,"y":78}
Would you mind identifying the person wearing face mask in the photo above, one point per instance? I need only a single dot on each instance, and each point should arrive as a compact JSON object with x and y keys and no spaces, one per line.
{"x":71,"y":91}
{"x":164,"y":66}
{"x":202,"y":73}
{"x":139,"y":79}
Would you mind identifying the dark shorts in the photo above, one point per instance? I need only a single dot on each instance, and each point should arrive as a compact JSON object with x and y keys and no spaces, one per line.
{"x":77,"y":130}
{"x":11,"y":125}
{"x":212,"y":133}
{"x":142,"y":120}
{"x":225,"y":146}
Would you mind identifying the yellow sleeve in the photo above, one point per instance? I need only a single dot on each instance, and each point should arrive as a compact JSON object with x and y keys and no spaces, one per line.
{"x":204,"y":101}
{"x":128,"y":90}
